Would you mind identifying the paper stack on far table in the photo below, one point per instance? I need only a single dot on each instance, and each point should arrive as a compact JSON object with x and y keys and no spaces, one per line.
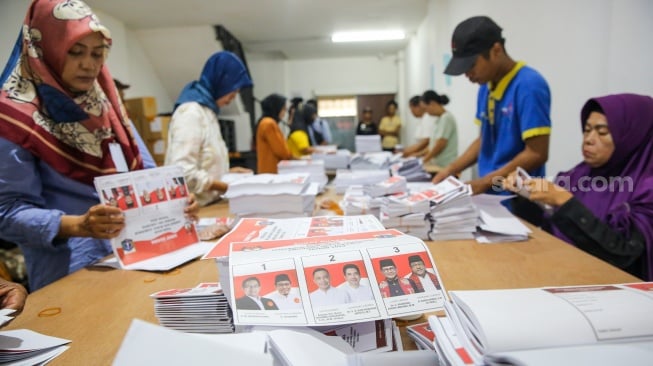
{"x":367,"y":143}
{"x":202,"y":309}
{"x":273,"y":195}
{"x":333,"y":159}
{"x":315,"y":168}
{"x":345,"y":178}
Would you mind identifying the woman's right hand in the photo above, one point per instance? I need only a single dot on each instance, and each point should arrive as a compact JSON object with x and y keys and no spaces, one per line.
{"x":510,"y":183}
{"x":100,"y":221}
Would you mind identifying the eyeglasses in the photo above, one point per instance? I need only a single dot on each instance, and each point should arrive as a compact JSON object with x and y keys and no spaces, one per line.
{"x":601,"y":130}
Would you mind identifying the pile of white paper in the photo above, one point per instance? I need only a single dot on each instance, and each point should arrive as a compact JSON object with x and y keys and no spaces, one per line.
{"x":273,"y":195}
{"x":367,"y":143}
{"x":333,"y":159}
{"x":201,"y":309}
{"x":26,"y":347}
{"x":345,"y":178}
{"x":315,"y":168}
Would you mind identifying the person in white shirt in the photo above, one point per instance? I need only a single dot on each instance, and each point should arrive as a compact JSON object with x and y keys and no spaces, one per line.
{"x":252,"y":300}
{"x":357,"y":291}
{"x":326,"y":295}
{"x":286,"y":297}
{"x":423,"y":130}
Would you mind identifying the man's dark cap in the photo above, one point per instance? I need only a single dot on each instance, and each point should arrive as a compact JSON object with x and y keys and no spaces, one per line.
{"x":470,"y":38}
{"x":414,"y":258}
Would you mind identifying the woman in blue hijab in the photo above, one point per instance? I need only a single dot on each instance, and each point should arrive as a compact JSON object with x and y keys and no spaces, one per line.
{"x":194,"y":139}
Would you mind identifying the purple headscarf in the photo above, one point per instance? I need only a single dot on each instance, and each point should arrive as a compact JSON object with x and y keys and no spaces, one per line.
{"x":630,"y":121}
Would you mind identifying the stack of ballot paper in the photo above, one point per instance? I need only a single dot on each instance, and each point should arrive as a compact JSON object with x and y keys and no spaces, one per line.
{"x":315,"y":168}
{"x":572,"y":325}
{"x":367,"y":143}
{"x":411,"y":168}
{"x":201,"y":309}
{"x":497,"y":224}
{"x":333,"y":159}
{"x":356,"y":202}
{"x":26,"y":347}
{"x":345,"y":178}
{"x":443,"y":211}
{"x":454,"y":216}
{"x":394,"y":184}
{"x":273,"y":195}
{"x":422,"y":335}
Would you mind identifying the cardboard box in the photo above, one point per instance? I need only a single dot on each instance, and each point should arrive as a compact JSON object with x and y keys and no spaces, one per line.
{"x":153,"y":129}
{"x":141,"y":108}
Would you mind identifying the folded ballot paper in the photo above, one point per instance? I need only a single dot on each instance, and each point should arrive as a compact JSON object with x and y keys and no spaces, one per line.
{"x":147,"y":343}
{"x":26,"y":347}
{"x":497,"y":224}
{"x":201,"y":309}
{"x":568,"y":325}
{"x":157,"y":235}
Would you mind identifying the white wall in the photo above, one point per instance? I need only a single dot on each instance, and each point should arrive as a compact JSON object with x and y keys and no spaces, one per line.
{"x":584,"y":48}
{"x":12,"y":14}
{"x":319,"y":77}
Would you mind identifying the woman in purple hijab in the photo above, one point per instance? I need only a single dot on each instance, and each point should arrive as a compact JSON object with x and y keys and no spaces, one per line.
{"x":604,"y":205}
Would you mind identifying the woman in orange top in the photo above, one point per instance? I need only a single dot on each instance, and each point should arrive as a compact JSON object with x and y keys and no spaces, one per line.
{"x":271,"y":145}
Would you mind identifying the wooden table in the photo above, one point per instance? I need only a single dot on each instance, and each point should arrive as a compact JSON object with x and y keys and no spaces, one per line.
{"x":97,"y":305}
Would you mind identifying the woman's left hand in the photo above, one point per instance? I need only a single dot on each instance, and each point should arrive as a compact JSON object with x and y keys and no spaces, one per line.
{"x":544,"y":191}
{"x":192,"y":208}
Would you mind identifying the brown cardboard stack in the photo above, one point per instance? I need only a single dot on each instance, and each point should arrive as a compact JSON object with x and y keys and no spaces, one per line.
{"x":152,"y":128}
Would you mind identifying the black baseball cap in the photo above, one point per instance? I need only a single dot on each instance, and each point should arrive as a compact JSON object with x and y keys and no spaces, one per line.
{"x":470,"y":38}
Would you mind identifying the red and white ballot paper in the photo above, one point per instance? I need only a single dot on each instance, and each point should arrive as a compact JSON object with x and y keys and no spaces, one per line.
{"x":331,"y":280}
{"x":157,"y":235}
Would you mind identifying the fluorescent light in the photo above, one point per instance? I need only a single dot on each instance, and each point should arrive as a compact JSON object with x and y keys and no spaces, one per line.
{"x":390,"y":35}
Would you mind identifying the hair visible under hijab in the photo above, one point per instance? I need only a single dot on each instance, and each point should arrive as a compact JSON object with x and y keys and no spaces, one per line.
{"x":632,"y":159}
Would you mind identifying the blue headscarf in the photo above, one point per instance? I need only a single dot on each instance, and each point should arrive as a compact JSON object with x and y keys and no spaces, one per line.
{"x":223,"y":73}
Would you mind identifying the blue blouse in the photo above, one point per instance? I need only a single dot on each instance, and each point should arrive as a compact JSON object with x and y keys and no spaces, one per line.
{"x":33,"y":197}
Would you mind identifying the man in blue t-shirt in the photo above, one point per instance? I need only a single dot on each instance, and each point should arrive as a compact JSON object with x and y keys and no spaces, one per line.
{"x":513,"y":107}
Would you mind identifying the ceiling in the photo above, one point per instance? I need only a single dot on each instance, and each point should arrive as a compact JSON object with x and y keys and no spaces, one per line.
{"x":287,"y":29}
